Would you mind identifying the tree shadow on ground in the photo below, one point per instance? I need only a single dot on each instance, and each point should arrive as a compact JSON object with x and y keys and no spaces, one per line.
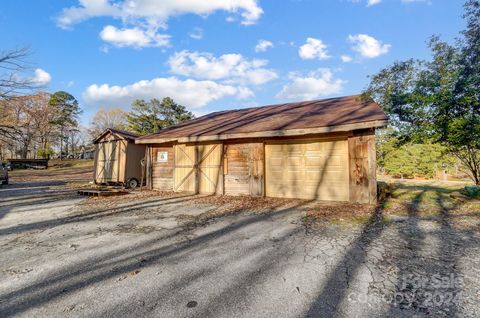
{"x":335,"y":289}
{"x":431,"y":257}
{"x":417,"y":257}
{"x":151,"y":252}
{"x":105,"y":266}
{"x":94,"y":214}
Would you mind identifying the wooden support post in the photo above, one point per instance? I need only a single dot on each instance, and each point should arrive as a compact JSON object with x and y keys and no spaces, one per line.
{"x":196,"y":166}
{"x":362,"y":167}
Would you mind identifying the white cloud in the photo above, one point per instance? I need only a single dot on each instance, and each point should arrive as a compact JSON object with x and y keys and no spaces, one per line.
{"x":190,"y":93}
{"x":263,"y":45}
{"x":232,"y":68}
{"x":196,"y":34}
{"x":373,"y":2}
{"x":368,"y":46}
{"x":154,"y":12}
{"x":316,"y":84}
{"x":346,"y":58}
{"x":41,"y":77}
{"x":134,"y":37}
{"x":313,"y":49}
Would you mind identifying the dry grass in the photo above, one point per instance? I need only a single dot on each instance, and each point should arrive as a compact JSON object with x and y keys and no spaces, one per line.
{"x":69,"y":171}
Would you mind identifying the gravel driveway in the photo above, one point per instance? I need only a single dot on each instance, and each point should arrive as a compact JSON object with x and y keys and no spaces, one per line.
{"x":62,"y":255}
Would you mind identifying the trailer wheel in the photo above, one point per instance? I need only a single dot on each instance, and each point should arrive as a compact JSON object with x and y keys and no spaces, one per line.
{"x":132,"y":183}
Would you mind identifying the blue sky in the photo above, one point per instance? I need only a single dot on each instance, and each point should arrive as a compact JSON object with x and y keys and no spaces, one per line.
{"x":218,"y":54}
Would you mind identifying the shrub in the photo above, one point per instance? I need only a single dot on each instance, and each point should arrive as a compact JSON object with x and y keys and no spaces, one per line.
{"x":471,"y":191}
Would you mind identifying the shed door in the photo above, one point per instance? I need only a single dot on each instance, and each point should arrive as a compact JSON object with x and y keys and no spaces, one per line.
{"x":244,"y":169}
{"x":307,"y":170}
{"x":184,"y":173}
{"x":108,"y":165}
{"x":198,"y":168}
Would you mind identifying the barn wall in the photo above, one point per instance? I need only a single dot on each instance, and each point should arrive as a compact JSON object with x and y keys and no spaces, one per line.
{"x":161,"y":172}
{"x":362,"y":166}
{"x":243,"y":168}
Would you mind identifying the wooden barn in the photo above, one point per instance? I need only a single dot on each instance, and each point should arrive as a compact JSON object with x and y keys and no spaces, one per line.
{"x":322,"y":150}
{"x":118,"y":159}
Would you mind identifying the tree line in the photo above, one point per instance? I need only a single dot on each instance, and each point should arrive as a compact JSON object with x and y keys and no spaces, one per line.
{"x":145,"y":117}
{"x":32,"y":125}
{"x":433,"y":104}
{"x":37,"y":124}
{"x":33,"y":122}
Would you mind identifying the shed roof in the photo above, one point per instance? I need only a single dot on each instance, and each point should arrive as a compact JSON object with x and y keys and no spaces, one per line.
{"x":291,"y":119}
{"x":122,"y":133}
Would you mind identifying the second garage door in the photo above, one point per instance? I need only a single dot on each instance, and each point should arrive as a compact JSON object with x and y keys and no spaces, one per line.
{"x":307,"y":169}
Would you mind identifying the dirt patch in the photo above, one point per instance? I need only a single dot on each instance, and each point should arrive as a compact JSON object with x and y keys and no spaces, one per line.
{"x":248,"y":203}
{"x":339,"y":212}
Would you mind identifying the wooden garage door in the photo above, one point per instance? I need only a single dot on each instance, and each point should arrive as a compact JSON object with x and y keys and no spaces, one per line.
{"x":198,"y":162}
{"x":307,"y":170}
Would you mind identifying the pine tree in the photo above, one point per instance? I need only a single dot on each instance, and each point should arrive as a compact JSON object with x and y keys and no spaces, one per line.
{"x":152,"y":116}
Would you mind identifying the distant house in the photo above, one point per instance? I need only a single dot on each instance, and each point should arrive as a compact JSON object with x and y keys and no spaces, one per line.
{"x":118,"y":158}
{"x":321,"y":150}
{"x":87,"y":152}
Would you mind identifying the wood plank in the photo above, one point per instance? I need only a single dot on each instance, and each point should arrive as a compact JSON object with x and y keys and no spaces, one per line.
{"x":362,"y":168}
{"x":244,"y":173}
{"x":162,"y":173}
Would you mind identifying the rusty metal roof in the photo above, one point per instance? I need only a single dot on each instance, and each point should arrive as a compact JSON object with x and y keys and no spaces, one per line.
{"x":301,"y":115}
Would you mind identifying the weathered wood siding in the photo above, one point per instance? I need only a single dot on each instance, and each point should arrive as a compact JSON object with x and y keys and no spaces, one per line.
{"x":362,"y":167}
{"x":339,"y":167}
{"x":161,"y":172}
{"x":243,"y":169}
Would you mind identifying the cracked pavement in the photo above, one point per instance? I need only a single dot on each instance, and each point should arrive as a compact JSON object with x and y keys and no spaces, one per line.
{"x":62,"y":257}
